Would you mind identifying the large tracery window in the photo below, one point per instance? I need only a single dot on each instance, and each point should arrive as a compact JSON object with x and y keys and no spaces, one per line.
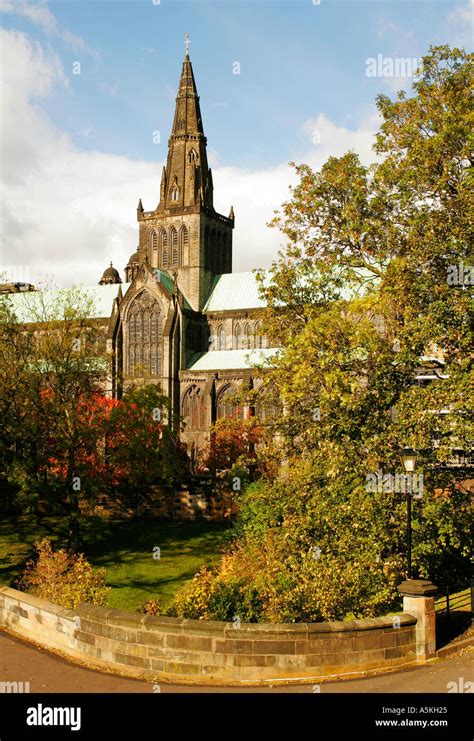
{"x":144,"y":337}
{"x":193,"y":408}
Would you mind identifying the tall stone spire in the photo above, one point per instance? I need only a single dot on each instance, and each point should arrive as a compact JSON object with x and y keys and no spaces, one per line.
{"x":186,"y":181}
{"x":184,"y":235}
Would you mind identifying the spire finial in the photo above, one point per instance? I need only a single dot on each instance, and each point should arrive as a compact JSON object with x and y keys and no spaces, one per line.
{"x":187,"y":41}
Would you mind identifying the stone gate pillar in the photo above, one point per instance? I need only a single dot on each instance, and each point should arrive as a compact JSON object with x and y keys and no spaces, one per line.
{"x":419,"y":601}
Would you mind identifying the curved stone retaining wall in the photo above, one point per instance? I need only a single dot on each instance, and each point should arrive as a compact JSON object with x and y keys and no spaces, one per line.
{"x":194,"y":651}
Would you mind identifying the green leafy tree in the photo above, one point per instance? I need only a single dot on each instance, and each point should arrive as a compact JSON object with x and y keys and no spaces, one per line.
{"x":360,"y":294}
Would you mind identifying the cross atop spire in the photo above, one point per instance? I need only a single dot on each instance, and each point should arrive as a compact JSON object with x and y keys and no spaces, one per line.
{"x":187,"y":41}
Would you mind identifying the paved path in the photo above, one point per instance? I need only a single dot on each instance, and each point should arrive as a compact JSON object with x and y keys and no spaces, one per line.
{"x":22,"y":662}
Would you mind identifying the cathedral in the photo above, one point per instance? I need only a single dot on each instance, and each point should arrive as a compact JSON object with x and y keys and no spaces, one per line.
{"x":183,"y":319}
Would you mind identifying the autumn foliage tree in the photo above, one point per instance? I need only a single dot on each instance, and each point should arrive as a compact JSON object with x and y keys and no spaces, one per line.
{"x":64,"y":441}
{"x":231,"y":440}
{"x":142,"y":449}
{"x":57,"y":363}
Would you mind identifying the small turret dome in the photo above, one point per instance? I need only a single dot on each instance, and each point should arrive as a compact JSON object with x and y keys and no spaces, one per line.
{"x":134,"y":259}
{"x":111,"y":276}
{"x":132,"y":266}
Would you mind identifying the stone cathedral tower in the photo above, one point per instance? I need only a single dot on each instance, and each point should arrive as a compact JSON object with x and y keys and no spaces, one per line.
{"x":184,"y":235}
{"x":184,"y":246}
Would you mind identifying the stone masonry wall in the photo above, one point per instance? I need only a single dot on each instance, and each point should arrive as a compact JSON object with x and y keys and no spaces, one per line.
{"x":164,"y":649}
{"x":198,"y":502}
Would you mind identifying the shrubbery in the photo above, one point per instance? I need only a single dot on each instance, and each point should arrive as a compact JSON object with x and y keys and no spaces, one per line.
{"x":276,"y":573}
{"x":62,"y":578}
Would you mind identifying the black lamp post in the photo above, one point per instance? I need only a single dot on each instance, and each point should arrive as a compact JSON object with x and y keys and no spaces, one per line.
{"x":408,"y":459}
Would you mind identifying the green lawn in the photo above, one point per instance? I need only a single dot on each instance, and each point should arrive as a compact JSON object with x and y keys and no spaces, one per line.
{"x":125,"y":549}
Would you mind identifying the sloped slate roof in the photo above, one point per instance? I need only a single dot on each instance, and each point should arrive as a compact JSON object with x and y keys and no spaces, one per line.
{"x":231,"y":359}
{"x":37,"y":306}
{"x":234,"y":291}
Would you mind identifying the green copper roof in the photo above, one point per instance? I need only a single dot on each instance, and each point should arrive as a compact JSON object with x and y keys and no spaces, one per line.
{"x":234,"y":291}
{"x":240,"y":291}
{"x":231,"y":359}
{"x":163,"y":277}
{"x":167,"y":281}
{"x":40,"y":306}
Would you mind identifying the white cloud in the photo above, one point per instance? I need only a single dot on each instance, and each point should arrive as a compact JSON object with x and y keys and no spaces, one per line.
{"x":108,"y":88}
{"x":256,"y":195}
{"x":460,"y":24}
{"x":385,"y":26}
{"x":67,"y":212}
{"x":399,"y":43}
{"x":41,"y":16}
{"x":328,"y":139}
{"x":86,"y":132}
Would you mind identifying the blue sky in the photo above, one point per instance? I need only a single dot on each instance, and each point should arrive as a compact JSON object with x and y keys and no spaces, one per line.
{"x":297,"y":60}
{"x":302,"y":68}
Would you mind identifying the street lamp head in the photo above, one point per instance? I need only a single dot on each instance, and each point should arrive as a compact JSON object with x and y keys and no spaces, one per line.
{"x":408,"y":459}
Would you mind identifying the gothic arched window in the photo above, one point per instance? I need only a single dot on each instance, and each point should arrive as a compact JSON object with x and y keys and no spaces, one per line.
{"x":238,"y":337}
{"x":193,"y":155}
{"x":174,"y":193}
{"x":226,"y":405}
{"x":163,"y":248}
{"x":144,"y":334}
{"x":183,"y":244}
{"x":193,"y":408}
{"x":249,"y":339}
{"x":153,"y":248}
{"x":221,"y":338}
{"x":174,"y":248}
{"x":258,"y":335}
